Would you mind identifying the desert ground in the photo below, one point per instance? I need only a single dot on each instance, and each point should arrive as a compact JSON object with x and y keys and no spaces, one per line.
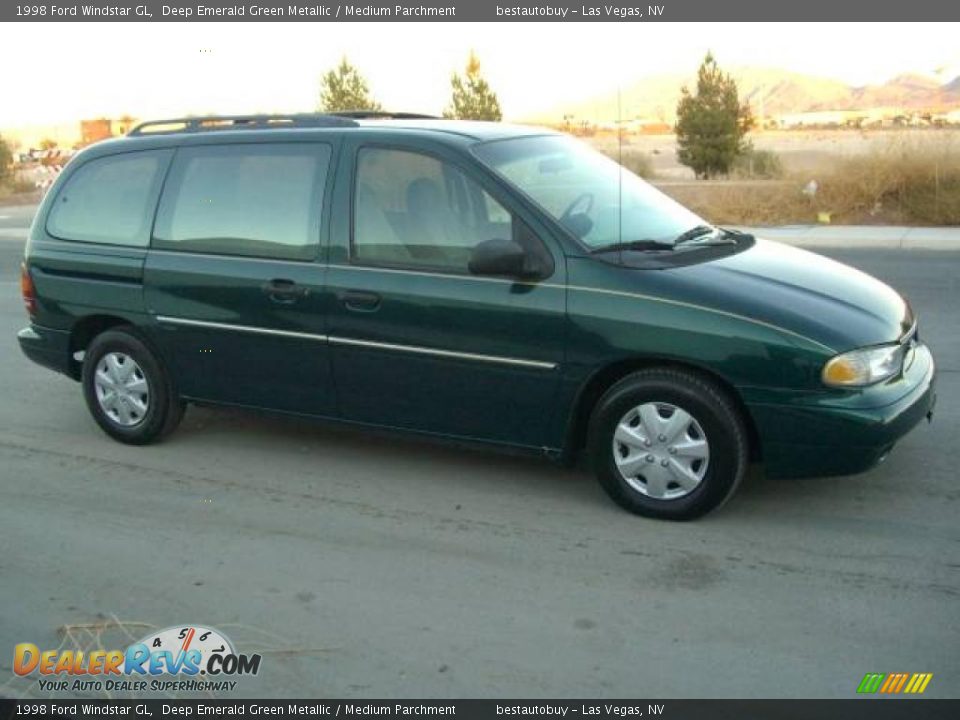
{"x":801,"y":151}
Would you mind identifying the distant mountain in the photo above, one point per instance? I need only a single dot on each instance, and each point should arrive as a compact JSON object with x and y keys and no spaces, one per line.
{"x":769,"y":91}
{"x":907,"y":91}
{"x":772,"y":92}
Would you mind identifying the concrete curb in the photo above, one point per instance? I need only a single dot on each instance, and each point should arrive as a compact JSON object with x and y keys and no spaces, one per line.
{"x":862,"y":236}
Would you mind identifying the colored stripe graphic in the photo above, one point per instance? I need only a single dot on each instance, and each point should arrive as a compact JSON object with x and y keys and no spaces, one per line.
{"x":894,"y":683}
{"x":870,"y":683}
{"x":898,"y":682}
{"x":918,"y":683}
{"x":889,"y":682}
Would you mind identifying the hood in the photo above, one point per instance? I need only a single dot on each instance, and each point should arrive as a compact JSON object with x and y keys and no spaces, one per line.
{"x":794,"y":289}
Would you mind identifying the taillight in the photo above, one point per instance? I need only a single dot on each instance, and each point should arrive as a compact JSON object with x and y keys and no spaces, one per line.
{"x":27,"y":290}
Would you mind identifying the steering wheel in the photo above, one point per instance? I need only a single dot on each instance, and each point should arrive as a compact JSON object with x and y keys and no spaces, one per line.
{"x":585,"y":199}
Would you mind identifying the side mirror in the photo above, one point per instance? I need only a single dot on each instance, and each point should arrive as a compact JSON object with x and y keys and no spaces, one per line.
{"x":579,"y":224}
{"x":499,"y":257}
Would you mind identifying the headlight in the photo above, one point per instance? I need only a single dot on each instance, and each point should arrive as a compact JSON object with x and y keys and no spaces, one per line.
{"x":864,"y":367}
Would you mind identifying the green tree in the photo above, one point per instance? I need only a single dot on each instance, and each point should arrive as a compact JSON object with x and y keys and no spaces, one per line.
{"x":6,"y":162}
{"x":472,"y":97}
{"x":711,"y":124}
{"x":343,"y":88}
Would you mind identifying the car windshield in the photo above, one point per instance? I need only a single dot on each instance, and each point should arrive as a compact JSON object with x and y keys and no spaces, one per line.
{"x":600,"y":202}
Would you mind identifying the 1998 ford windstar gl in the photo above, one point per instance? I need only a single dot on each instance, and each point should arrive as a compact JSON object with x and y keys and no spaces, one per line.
{"x":468,"y":280}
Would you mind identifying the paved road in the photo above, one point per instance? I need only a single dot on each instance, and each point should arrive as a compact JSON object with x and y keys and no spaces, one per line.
{"x":378,"y":566}
{"x":13,"y":220}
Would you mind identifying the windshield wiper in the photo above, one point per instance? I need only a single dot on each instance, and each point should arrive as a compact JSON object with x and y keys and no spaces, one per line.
{"x":698,"y":233}
{"x":633,"y":245}
{"x":694,"y":237}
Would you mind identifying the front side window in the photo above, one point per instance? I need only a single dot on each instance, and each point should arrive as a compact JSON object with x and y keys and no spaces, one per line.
{"x":413,"y":210}
{"x":110,"y":200}
{"x":259,"y":200}
{"x":596,"y":199}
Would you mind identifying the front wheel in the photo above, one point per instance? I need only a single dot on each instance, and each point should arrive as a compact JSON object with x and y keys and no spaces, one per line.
{"x":668,"y":444}
{"x":127,"y":390}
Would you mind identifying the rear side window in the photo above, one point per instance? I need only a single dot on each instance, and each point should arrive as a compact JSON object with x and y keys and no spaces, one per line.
{"x":110,"y":200}
{"x":259,"y":200}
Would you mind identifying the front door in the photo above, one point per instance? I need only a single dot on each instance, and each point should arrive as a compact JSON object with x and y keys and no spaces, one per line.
{"x":417,"y":341}
{"x":232,"y":279}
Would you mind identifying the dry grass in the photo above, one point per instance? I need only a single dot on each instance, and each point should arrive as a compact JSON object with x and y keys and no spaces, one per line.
{"x":901,"y":182}
{"x":905,"y":182}
{"x":745,"y":202}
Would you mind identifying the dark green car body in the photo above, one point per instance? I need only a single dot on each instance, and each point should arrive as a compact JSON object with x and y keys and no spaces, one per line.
{"x":518,"y":362}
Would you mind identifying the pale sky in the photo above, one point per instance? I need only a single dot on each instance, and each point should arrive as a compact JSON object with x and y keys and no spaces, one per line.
{"x":61,"y":72}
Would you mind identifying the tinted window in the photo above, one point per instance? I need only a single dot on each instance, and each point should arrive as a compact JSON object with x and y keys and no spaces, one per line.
{"x":255,"y":200}
{"x":413,"y":210}
{"x":110,"y":200}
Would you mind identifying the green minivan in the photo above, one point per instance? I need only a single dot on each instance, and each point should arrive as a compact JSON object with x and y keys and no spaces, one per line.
{"x":474,"y":281}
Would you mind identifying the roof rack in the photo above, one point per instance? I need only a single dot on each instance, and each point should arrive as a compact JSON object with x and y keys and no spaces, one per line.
{"x":240,"y":122}
{"x":382,"y":115}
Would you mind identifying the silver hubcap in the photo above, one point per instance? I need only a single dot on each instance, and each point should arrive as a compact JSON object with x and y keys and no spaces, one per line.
{"x":122,"y":389}
{"x":661,"y":451}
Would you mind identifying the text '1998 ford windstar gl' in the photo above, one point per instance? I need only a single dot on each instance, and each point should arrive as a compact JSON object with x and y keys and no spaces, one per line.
{"x":474,"y":281}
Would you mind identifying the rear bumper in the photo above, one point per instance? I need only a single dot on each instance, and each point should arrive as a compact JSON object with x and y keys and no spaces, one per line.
{"x":846,"y":439}
{"x":47,"y":347}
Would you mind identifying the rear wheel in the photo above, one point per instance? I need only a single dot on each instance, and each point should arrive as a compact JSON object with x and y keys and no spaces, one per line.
{"x":127,"y":390}
{"x":668,"y":444}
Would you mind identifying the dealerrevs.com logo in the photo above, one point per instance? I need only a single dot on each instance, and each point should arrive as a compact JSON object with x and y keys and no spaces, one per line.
{"x":181,"y":658}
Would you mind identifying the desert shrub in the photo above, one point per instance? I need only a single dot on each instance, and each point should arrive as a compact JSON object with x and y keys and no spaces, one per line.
{"x":6,"y":162}
{"x":636,"y":161}
{"x":639,"y":163}
{"x":22,"y":185}
{"x":754,"y":163}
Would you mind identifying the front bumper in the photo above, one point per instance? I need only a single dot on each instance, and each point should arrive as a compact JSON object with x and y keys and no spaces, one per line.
{"x":47,"y":347}
{"x":844,"y":438}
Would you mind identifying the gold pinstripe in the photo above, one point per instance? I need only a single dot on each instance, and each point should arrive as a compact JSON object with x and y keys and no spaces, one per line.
{"x":580,"y":288}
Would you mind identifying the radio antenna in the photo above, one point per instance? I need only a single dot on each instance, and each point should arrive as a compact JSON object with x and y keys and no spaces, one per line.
{"x":620,"y":175}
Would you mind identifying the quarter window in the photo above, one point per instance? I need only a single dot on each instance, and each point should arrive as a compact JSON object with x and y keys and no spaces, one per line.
{"x":413,"y":210}
{"x":259,"y":200}
{"x":110,"y":200}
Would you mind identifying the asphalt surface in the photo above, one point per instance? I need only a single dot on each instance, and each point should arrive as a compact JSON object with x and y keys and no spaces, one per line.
{"x":374,"y":566}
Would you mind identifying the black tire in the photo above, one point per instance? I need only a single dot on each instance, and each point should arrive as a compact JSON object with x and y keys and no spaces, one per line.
{"x":164,"y":408}
{"x":717,"y":416}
